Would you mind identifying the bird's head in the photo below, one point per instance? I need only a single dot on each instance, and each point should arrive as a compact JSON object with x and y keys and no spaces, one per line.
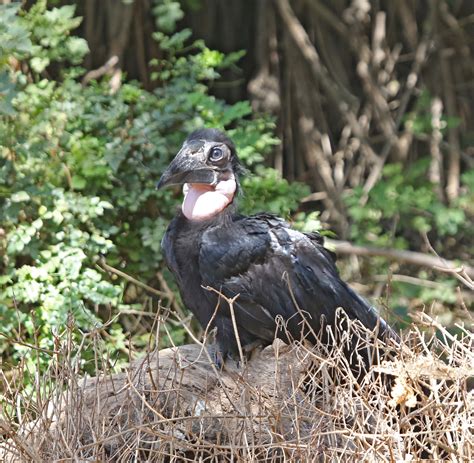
{"x":208,"y":167}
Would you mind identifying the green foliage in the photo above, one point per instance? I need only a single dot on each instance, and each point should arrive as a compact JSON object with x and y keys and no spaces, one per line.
{"x":14,"y":37}
{"x":50,"y":32}
{"x":14,"y":43}
{"x":268,"y":192}
{"x":167,"y":14}
{"x":420,"y":119}
{"x":405,"y":201}
{"x":78,"y":168}
{"x":404,"y":208}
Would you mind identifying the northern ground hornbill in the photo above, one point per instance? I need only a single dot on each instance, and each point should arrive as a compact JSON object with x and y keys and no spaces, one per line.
{"x":286,"y":282}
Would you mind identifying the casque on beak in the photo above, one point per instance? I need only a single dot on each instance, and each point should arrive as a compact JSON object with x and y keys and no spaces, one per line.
{"x":189,"y":166}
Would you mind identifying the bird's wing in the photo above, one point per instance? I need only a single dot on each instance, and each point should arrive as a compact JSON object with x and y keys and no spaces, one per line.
{"x":318,"y":239}
{"x":276,"y":271}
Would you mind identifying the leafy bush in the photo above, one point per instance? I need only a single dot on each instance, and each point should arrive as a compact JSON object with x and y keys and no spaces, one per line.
{"x":404,"y":210}
{"x":78,"y":168}
{"x":405,"y":201}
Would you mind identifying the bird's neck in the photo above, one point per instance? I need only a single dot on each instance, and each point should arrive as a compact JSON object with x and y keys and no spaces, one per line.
{"x":203,"y":202}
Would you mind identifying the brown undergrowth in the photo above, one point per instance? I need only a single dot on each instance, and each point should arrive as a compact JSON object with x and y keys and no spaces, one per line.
{"x":287,"y":403}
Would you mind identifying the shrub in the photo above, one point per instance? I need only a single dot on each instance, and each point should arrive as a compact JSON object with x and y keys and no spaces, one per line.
{"x":78,"y":168}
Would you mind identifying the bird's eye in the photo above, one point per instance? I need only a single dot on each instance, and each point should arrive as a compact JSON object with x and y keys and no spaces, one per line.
{"x":216,"y":154}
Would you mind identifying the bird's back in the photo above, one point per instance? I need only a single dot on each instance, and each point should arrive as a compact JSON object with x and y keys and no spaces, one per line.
{"x":285,"y":283}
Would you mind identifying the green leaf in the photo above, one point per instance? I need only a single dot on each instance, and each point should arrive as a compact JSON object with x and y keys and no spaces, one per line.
{"x":7,"y":93}
{"x":77,"y":47}
{"x":78,"y":182}
{"x":39,"y":63}
{"x":20,"y":196}
{"x":14,"y":37}
{"x":167,"y":13}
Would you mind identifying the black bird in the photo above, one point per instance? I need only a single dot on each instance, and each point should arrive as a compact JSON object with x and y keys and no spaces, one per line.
{"x":285,"y":282}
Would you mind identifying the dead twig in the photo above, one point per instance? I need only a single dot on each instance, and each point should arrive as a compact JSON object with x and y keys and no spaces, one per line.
{"x":461,"y":272}
{"x":106,"y":68}
{"x":295,"y":400}
{"x":421,"y":56}
{"x":161,"y":294}
{"x":410,"y":257}
{"x":319,"y":71}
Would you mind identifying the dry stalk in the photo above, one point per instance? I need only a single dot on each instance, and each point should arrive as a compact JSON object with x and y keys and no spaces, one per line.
{"x":287,"y":403}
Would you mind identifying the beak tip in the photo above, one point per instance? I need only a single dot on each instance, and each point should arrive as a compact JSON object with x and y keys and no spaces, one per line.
{"x":162,"y":182}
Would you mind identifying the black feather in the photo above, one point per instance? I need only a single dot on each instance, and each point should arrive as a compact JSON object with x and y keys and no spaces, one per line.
{"x":273,"y":271}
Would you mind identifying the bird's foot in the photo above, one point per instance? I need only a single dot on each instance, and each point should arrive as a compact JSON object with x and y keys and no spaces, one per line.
{"x":217,"y":356}
{"x":250,"y":348}
{"x":220,"y":357}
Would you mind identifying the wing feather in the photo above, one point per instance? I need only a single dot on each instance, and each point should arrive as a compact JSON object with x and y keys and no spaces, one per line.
{"x":277,"y":271}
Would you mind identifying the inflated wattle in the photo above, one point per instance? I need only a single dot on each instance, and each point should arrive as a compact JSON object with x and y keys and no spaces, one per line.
{"x":202,"y":201}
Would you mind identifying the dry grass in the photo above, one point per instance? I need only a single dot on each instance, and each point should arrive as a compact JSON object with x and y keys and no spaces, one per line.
{"x":288,"y":403}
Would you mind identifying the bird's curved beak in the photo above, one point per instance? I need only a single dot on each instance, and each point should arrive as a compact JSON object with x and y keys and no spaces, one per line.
{"x":187,"y":167}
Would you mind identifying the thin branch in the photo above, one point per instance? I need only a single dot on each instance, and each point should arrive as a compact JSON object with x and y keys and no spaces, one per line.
{"x":436,"y":164}
{"x":319,"y":71}
{"x":130,"y":279}
{"x":230,"y":302}
{"x":420,"y":58}
{"x":410,"y":257}
{"x":454,"y":146}
{"x":102,"y":70}
{"x":170,"y":295}
{"x":412,"y":281}
{"x":460,"y":272}
{"x":324,"y":12}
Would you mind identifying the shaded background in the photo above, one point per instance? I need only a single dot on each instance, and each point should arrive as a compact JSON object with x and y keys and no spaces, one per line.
{"x":370,"y":140}
{"x":341,"y":79}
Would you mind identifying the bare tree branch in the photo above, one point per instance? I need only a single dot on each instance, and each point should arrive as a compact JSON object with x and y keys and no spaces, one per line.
{"x":309,"y":52}
{"x":410,"y":257}
{"x":106,"y":68}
